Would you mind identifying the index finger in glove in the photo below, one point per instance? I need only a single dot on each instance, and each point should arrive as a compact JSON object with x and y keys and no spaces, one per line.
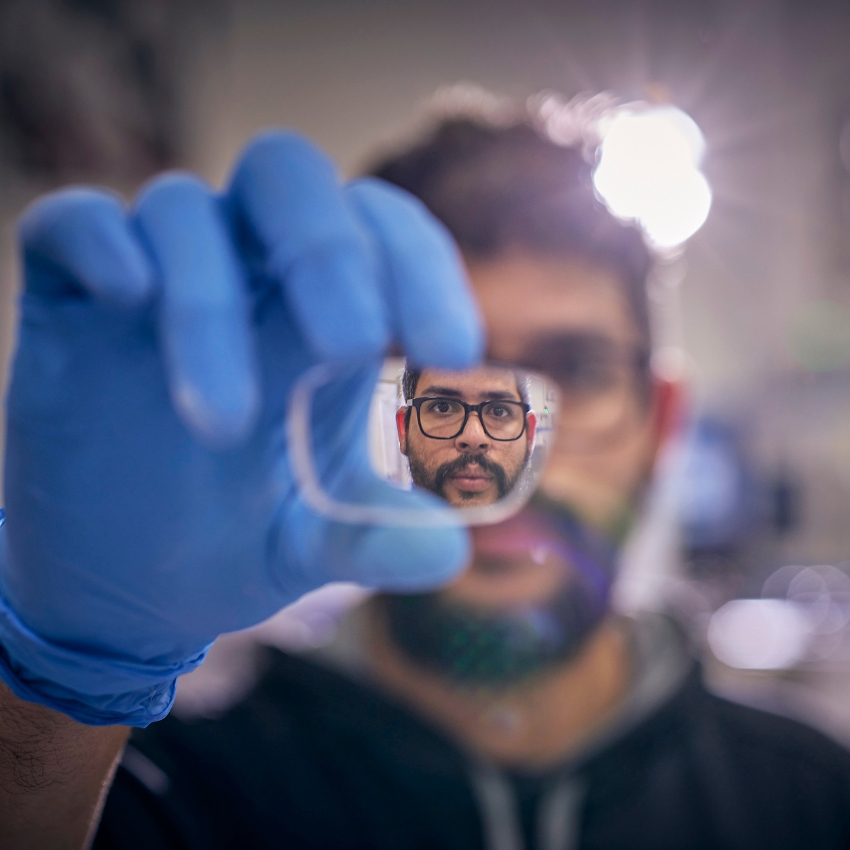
{"x":79,"y":240}
{"x":434,"y":315}
{"x":292,"y":218}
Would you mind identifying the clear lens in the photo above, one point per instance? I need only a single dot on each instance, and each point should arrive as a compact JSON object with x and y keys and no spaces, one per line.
{"x":469,"y":446}
{"x":446,"y":418}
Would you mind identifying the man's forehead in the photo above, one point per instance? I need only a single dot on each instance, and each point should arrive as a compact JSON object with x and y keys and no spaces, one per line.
{"x":524,"y":298}
{"x":484,"y":381}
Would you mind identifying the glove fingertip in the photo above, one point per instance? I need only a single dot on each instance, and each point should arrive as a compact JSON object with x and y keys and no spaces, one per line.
{"x":82,"y":234}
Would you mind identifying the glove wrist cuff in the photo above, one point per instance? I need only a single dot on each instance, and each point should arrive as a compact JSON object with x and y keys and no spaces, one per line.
{"x":91,"y":688}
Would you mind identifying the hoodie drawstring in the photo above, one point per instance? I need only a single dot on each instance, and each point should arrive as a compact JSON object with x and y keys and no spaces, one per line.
{"x":557,"y":813}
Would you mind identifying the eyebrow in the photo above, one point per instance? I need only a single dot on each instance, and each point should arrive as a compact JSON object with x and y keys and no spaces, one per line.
{"x":554,"y":347}
{"x":449,"y":392}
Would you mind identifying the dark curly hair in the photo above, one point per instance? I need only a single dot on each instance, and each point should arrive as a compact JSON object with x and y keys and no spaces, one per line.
{"x":498,"y":184}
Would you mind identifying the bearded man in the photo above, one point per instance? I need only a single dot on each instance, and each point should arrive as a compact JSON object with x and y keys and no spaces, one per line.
{"x":512,"y":708}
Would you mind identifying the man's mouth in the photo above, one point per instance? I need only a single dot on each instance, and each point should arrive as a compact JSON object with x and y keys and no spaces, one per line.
{"x":469,"y":475}
{"x":471,"y":479}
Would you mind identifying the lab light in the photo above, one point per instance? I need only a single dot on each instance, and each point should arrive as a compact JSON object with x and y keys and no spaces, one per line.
{"x":759,"y":634}
{"x":649,"y":171}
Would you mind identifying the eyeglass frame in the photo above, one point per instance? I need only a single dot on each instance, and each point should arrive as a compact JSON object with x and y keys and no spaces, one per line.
{"x":470,"y":408}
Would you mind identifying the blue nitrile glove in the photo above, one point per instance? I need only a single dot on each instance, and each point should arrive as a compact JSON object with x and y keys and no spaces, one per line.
{"x":150,"y":502}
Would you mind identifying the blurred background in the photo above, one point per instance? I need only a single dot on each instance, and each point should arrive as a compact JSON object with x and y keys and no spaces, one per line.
{"x":112,"y":91}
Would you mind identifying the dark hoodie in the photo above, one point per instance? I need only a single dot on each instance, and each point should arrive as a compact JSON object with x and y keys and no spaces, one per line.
{"x":317,"y":757}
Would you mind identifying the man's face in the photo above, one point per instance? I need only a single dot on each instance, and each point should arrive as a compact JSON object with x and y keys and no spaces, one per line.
{"x":471,"y":467}
{"x":535,"y":309}
{"x":538,"y":584}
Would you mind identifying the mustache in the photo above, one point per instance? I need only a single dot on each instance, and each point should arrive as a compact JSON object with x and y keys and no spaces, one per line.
{"x":467,"y":459}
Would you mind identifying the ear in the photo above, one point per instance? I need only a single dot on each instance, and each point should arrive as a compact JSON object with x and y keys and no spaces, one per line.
{"x":401,"y":427}
{"x":530,"y":429}
{"x":669,"y":410}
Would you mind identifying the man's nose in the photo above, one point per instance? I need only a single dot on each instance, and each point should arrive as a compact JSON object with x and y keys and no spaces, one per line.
{"x":473,"y":437}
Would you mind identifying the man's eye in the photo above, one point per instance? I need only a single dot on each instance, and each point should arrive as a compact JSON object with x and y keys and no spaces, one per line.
{"x":441,"y":408}
{"x":500,"y":411}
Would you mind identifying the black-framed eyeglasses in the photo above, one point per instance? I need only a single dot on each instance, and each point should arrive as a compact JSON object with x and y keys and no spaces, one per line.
{"x":445,"y":418}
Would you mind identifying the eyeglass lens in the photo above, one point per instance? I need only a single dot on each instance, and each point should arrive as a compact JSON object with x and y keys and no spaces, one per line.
{"x":444,"y":418}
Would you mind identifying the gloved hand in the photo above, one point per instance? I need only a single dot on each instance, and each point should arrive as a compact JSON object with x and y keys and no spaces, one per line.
{"x":150,"y":502}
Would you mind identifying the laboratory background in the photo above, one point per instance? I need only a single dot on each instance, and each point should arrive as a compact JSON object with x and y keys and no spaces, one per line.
{"x":748,"y":532}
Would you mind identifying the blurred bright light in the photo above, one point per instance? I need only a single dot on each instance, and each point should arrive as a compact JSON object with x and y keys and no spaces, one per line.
{"x":649,"y":171}
{"x":759,"y":634}
{"x":822,"y":593}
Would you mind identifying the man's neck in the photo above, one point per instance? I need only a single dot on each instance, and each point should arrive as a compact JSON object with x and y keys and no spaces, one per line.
{"x":533,"y":725}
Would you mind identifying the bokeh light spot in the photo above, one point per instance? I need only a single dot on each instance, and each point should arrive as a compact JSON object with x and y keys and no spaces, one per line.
{"x":759,"y":634}
{"x":648,"y":171}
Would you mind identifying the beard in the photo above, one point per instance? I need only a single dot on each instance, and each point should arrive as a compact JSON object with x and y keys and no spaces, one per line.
{"x":474,"y":646}
{"x":436,"y":481}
